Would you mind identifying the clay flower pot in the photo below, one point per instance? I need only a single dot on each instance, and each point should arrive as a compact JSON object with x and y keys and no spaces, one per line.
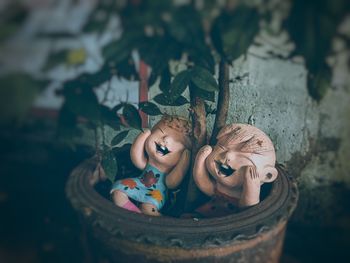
{"x":253,"y":235}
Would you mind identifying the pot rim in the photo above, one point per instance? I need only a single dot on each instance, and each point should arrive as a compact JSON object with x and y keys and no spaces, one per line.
{"x":184,"y":232}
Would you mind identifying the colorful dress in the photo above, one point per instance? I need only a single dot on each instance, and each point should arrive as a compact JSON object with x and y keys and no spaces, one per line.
{"x":149,"y":187}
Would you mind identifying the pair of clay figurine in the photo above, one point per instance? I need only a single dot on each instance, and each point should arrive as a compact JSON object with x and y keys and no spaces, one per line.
{"x":231,"y":172}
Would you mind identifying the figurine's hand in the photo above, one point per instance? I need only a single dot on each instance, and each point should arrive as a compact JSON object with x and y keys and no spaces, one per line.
{"x":200,"y":173}
{"x":203,"y":153}
{"x":137,"y":151}
{"x":145,"y":133}
{"x":251,"y":186}
{"x":175,"y":177}
{"x":251,"y":178}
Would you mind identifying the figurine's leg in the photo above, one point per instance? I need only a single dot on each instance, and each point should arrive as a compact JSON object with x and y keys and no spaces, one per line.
{"x":149,"y":209}
{"x":122,"y":200}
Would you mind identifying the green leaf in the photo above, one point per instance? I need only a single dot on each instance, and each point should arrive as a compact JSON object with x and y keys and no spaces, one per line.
{"x":116,"y":51}
{"x":136,"y":14}
{"x":126,"y":69}
{"x":83,"y":102}
{"x":119,"y":138}
{"x":165,"y":80}
{"x":206,"y":95}
{"x":203,"y":58}
{"x":312,"y":27}
{"x":6,"y":30}
{"x":67,"y":129}
{"x":109,"y":164}
{"x":150,"y":108}
{"x":186,"y":27}
{"x":132,"y":116}
{"x":156,"y":52}
{"x":55,"y":59}
{"x":11,"y":19}
{"x":110,"y":117}
{"x":118,"y":107}
{"x":233,"y":32}
{"x":95,"y":25}
{"x":203,"y":79}
{"x":179,"y":84}
{"x":90,"y":80}
{"x":99,"y":17}
{"x":164,"y":100}
{"x":152,"y":79}
{"x":56,"y":35}
{"x":69,"y":57}
{"x":120,"y":50}
{"x":319,"y":82}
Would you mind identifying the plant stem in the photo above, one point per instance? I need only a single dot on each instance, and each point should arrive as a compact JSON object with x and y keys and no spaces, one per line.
{"x":97,"y":147}
{"x":223,"y":100}
{"x":199,"y":138}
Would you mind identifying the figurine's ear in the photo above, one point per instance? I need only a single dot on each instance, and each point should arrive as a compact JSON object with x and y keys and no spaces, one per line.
{"x":270,"y":174}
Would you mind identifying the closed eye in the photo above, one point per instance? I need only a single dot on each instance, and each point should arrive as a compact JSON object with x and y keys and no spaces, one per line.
{"x":222,"y":147}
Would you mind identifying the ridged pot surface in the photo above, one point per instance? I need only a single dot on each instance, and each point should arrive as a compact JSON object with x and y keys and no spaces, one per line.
{"x":253,"y":235}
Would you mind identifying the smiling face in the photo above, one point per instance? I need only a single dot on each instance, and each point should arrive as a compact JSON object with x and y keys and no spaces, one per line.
{"x":224,"y":164}
{"x":165,"y":145}
{"x":240,"y":145}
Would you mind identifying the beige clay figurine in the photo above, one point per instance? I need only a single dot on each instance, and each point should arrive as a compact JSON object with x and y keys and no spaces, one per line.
{"x":232,"y":172}
{"x":164,"y":156}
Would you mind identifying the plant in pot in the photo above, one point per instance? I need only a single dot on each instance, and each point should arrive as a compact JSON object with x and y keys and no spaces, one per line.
{"x":187,"y":47}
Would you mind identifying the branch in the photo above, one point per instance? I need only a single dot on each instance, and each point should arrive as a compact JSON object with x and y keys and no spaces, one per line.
{"x":223,"y":100}
{"x":199,"y":138}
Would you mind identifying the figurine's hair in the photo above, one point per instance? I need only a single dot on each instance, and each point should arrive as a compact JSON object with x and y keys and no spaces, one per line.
{"x":245,"y":137}
{"x":179,"y":124}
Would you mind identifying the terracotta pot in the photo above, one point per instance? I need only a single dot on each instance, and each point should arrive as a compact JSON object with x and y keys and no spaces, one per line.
{"x":253,"y":235}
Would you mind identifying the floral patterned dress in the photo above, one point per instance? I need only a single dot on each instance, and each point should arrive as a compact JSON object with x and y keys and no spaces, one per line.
{"x":149,"y":187}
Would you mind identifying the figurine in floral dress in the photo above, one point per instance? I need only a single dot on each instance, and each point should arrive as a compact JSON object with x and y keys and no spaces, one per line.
{"x":232,"y":171}
{"x":164,"y":156}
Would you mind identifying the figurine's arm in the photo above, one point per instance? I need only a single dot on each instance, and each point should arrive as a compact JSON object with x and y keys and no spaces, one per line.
{"x":174,"y":178}
{"x":200,"y":173}
{"x":137,"y":151}
{"x":251,"y":187}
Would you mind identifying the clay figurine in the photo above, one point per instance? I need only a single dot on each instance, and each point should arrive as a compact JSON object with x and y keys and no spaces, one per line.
{"x":232,"y":172}
{"x":164,"y":156}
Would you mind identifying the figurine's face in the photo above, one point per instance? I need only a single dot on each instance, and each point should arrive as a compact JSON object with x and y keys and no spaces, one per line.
{"x":164,"y":146}
{"x":224,"y":164}
{"x":238,"y":146}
